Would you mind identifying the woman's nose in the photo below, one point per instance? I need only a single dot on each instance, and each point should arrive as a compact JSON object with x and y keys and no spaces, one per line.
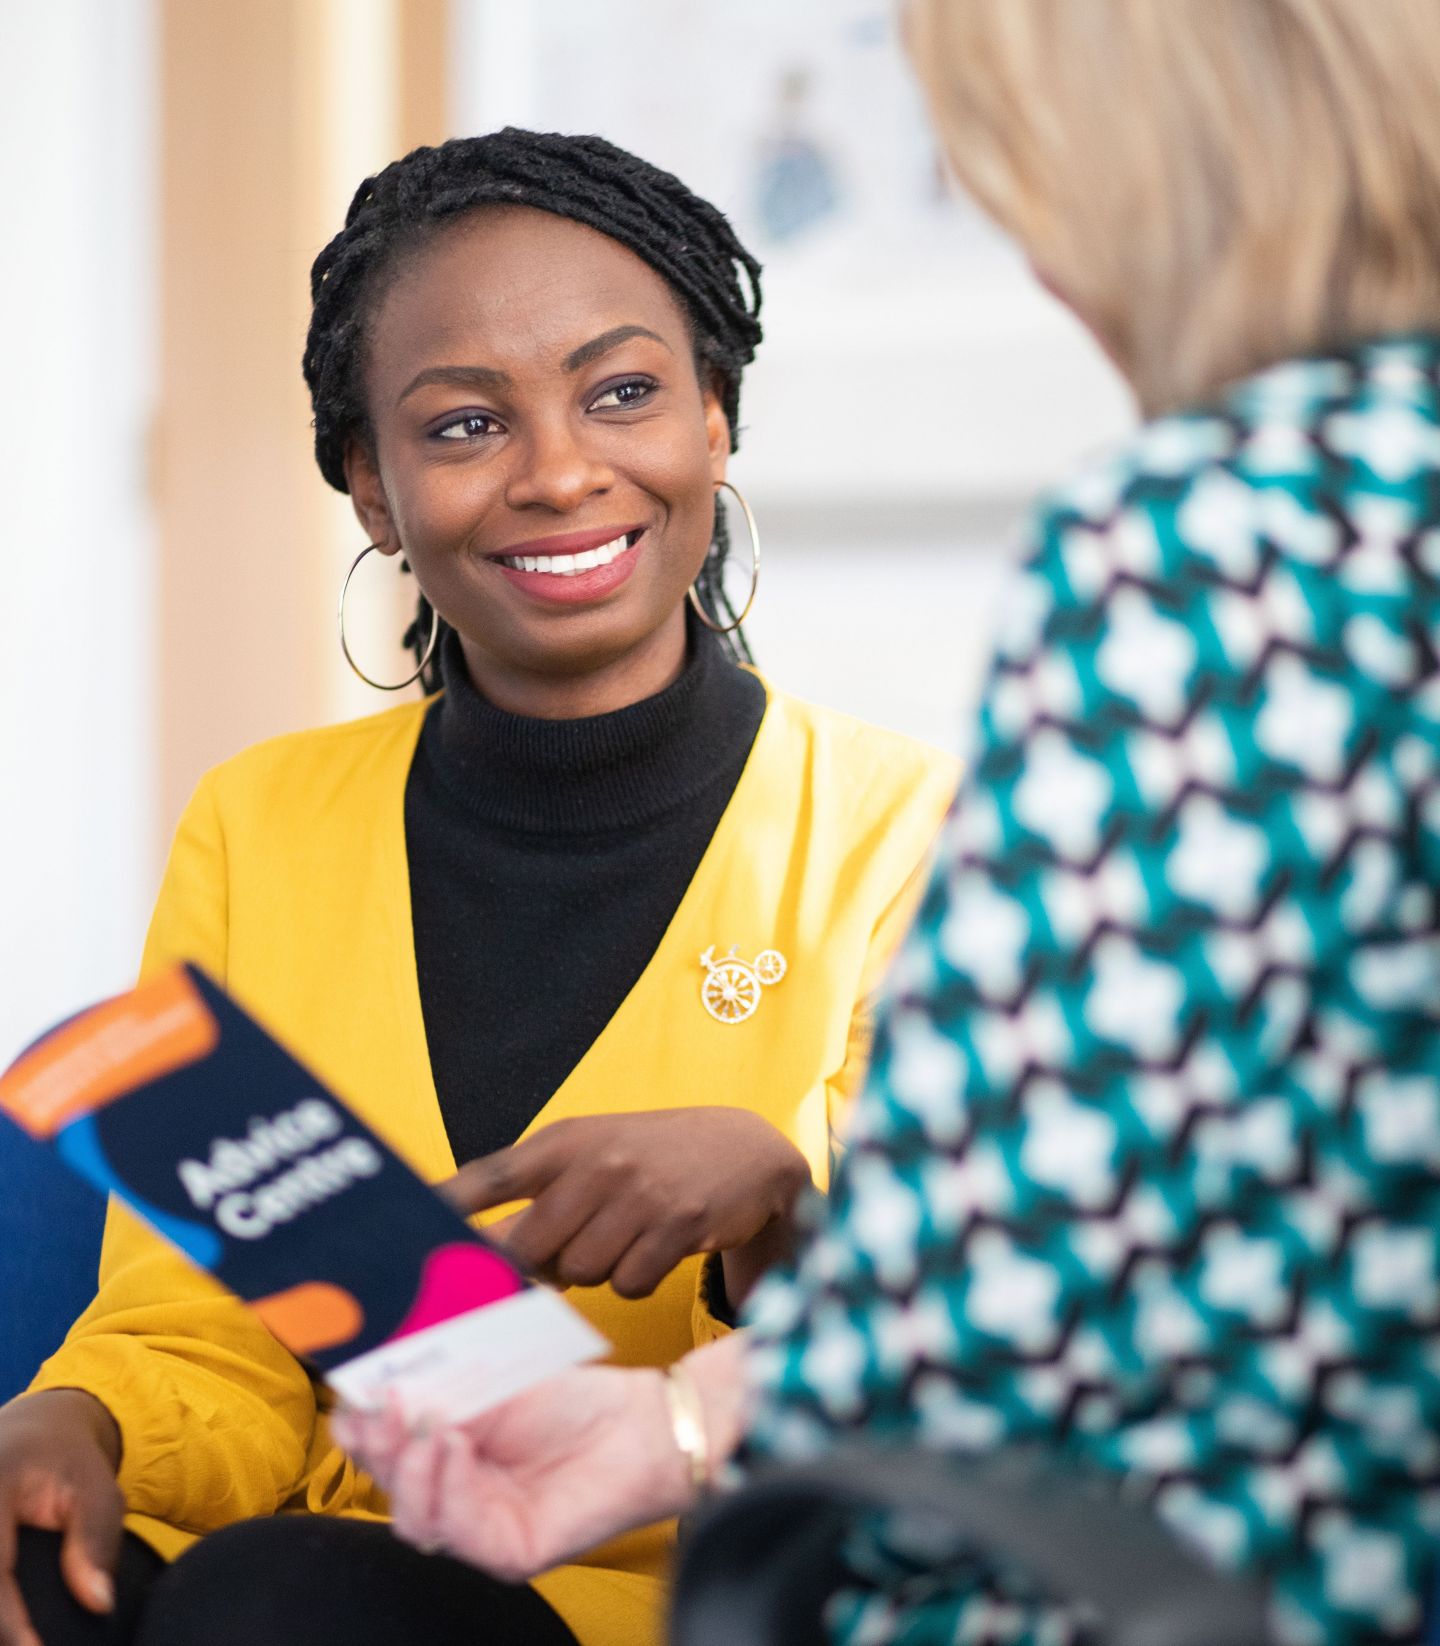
{"x":553,"y":470}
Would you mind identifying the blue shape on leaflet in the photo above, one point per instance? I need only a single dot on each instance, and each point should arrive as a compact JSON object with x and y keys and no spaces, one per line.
{"x":78,"y":1145}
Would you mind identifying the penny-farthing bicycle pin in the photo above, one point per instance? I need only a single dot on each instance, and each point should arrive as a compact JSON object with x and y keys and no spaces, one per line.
{"x":731,"y":990}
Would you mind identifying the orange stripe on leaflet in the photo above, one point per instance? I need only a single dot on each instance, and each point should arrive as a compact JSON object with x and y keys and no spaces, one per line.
{"x":312,"y":1316}
{"x":109,"y":1051}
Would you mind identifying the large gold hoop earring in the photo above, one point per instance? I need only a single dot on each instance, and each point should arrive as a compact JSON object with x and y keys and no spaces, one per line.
{"x":700,"y":612}
{"x":380,"y":685}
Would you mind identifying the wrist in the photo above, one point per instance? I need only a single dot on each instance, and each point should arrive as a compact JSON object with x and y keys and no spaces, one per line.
{"x":79,"y":1408}
{"x":715,"y":1374}
{"x":742,"y":1266}
{"x":794,"y":1178}
{"x":774,"y":1241}
{"x":688,"y":1428}
{"x":669,"y":1489}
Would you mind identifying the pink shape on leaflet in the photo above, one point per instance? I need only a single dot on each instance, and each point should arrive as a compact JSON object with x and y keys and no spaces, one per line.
{"x":456,"y":1279}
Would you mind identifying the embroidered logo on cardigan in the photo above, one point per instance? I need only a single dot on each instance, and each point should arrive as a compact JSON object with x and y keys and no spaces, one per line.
{"x":731,"y":989}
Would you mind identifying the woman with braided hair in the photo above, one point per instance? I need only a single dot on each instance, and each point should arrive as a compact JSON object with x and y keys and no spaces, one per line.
{"x":597,"y":921}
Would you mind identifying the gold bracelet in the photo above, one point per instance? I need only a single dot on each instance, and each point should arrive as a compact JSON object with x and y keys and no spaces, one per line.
{"x":687,"y":1424}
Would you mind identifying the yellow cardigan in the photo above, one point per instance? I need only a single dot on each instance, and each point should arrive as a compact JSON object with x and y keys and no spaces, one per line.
{"x":288,"y":881}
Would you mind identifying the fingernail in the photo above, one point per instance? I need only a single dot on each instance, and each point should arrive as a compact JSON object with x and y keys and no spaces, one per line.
{"x":102,"y":1590}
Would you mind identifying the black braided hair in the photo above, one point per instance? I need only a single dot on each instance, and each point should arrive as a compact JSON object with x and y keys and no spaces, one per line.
{"x":684,"y":238}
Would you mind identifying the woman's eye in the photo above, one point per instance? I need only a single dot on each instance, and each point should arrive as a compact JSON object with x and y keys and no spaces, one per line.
{"x":470,"y":427}
{"x":634,"y":392}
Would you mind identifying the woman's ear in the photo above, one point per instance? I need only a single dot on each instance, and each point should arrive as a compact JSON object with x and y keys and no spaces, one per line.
{"x":717,"y":435}
{"x":367,"y":498}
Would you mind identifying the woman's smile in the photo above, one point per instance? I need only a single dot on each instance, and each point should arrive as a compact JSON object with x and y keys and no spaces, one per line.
{"x":573,"y":568}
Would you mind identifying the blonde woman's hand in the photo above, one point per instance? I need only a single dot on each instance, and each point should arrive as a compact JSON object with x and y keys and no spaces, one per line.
{"x":546,"y":1476}
{"x":534,"y":1482}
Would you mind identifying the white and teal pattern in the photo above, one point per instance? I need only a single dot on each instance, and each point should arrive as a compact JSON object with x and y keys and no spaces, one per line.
{"x":1147,"y":1166}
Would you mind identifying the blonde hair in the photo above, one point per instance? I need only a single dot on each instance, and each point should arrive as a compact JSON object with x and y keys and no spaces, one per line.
{"x":1215,"y":185}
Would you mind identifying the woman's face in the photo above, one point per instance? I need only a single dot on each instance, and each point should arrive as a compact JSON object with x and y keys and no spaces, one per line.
{"x":543,"y":454}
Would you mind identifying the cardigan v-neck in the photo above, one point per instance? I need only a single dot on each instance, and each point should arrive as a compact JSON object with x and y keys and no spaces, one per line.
{"x":546,"y":860}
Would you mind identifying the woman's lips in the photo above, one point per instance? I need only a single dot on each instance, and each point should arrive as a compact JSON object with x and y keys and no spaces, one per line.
{"x":571,"y":579}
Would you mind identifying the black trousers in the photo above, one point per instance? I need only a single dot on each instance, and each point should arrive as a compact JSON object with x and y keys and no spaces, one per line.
{"x":289,"y":1580}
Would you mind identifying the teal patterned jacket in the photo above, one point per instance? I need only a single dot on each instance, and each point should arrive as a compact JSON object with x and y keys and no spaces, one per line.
{"x":1146,"y":1169}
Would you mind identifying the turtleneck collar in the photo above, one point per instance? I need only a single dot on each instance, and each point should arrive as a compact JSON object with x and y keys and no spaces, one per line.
{"x":603,"y":773}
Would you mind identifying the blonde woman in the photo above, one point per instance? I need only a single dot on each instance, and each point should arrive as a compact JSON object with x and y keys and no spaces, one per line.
{"x":1145,"y":1170}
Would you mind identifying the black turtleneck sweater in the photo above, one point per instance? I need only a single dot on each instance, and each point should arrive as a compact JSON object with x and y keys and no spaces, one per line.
{"x":547,"y":858}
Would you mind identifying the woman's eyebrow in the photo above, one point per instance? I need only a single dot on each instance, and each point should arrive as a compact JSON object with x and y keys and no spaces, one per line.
{"x":606,"y":341}
{"x":456,"y":377}
{"x":488,"y":377}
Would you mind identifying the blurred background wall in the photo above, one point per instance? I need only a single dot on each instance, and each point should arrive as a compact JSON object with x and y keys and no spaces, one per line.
{"x":170,"y":558}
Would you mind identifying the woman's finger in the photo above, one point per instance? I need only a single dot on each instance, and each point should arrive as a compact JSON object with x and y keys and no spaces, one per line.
{"x":90,"y":1550}
{"x":589,"y":1258}
{"x":517,"y":1173}
{"x":373,"y":1439}
{"x":415,"y":1503}
{"x":15,"y":1626}
{"x":647,"y":1261}
{"x":477,"y":1516}
{"x":501,"y":1231}
{"x":544,"y":1229}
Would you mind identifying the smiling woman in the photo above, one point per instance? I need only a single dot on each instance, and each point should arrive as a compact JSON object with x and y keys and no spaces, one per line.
{"x":516,"y":424}
{"x":598,"y":921}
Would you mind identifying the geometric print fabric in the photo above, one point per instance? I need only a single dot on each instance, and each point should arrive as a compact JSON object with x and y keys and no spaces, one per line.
{"x":1148,"y":1165}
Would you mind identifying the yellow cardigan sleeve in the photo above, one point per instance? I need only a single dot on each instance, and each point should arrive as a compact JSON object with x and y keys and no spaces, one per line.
{"x":216,"y":1419}
{"x":842,"y":1088}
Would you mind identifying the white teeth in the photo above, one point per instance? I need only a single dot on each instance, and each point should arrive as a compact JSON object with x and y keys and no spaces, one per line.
{"x":567,"y":565}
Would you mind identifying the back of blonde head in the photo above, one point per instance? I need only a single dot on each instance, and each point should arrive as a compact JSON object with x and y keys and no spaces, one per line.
{"x":1215,"y":184}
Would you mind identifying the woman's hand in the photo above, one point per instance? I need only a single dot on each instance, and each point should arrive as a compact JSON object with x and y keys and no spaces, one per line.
{"x":626,"y":1197}
{"x":537,"y":1481}
{"x":59,"y":1451}
{"x":534,"y":1482}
